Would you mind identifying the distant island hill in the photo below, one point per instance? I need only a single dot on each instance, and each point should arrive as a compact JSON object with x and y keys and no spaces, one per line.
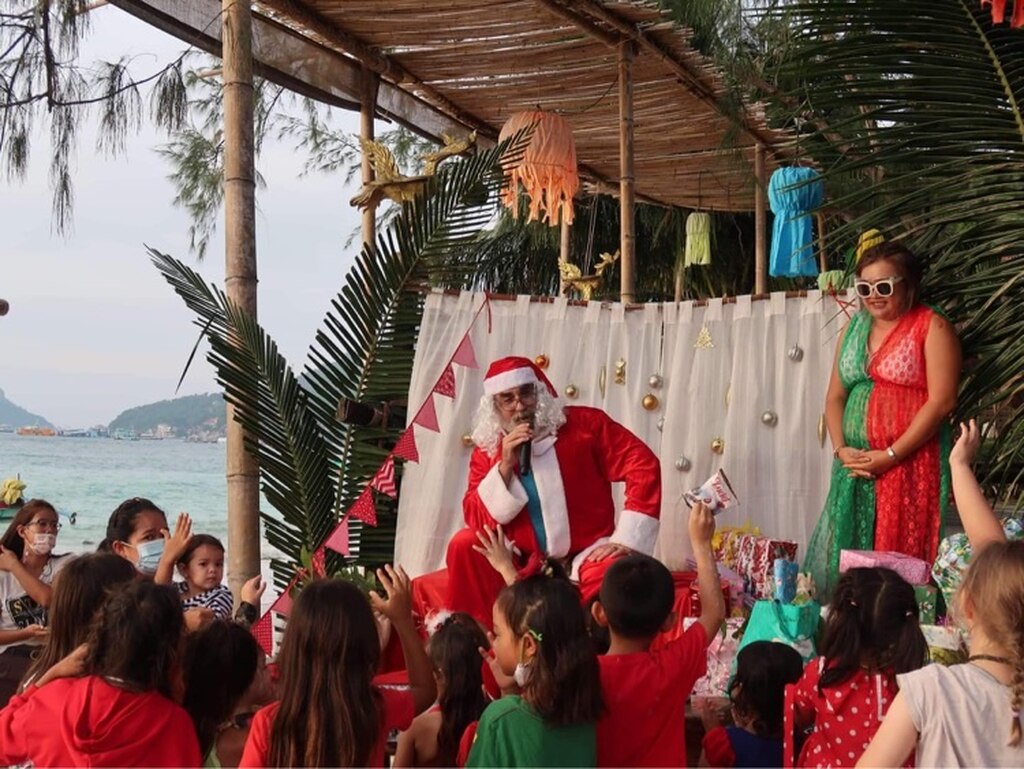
{"x":192,"y":417}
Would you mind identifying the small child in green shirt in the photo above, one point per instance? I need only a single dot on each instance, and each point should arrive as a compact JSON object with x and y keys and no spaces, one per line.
{"x":540,"y":638}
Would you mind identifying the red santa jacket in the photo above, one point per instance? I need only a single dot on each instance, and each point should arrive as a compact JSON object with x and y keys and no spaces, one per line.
{"x":573,"y":471}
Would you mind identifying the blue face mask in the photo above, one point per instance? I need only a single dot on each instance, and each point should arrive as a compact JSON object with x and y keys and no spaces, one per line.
{"x":149,"y":555}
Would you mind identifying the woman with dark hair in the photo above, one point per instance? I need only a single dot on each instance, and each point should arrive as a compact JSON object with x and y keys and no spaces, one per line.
{"x":78,"y":596}
{"x":112,"y":702}
{"x":330,"y":712}
{"x":27,"y":569}
{"x":893,"y":386}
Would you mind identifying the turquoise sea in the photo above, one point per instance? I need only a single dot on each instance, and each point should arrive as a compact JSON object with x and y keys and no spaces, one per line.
{"x":92,"y":476}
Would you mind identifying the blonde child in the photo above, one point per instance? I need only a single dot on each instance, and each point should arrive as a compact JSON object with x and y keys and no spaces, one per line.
{"x":968,"y":715}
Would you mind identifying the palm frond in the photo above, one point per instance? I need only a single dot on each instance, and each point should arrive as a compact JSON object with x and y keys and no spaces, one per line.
{"x":924,"y":107}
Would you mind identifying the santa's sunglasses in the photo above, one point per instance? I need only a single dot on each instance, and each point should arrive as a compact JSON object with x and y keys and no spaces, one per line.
{"x":883,"y":287}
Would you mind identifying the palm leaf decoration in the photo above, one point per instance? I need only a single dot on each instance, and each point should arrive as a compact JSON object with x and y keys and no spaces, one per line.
{"x":917,"y":111}
{"x":312,"y":466}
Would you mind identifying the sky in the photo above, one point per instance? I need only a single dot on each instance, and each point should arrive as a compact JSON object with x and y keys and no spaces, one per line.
{"x":93,"y":328}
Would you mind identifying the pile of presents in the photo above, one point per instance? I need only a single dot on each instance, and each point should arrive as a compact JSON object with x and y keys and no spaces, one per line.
{"x":769,"y":599}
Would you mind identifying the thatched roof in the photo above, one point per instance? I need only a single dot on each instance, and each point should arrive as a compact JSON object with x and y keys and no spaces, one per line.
{"x":459,"y":65}
{"x":479,"y":62}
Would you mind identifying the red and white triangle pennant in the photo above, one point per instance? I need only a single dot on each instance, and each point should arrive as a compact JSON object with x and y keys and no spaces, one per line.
{"x":364,"y":509}
{"x":338,"y":540}
{"x":427,"y":416}
{"x":464,"y":354}
{"x":406,"y":446}
{"x":384,"y":480}
{"x":446,"y":384}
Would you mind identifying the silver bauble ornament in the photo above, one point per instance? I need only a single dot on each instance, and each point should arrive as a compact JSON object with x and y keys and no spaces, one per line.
{"x":795,"y":353}
{"x":655,"y":381}
{"x":661,"y":424}
{"x":682,"y":464}
{"x":769,"y":418}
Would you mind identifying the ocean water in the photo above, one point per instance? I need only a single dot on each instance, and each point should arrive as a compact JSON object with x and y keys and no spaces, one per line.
{"x":92,"y":476}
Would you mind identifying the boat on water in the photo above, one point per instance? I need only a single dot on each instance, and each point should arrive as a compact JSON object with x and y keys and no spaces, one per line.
{"x":124,"y":435}
{"x":46,"y":432}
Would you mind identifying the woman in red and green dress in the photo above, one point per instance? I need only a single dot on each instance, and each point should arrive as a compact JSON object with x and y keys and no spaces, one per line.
{"x":894,"y":383}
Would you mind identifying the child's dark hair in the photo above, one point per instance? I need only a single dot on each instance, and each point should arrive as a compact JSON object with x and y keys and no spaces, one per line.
{"x":873,"y":622}
{"x":564,"y":686}
{"x":637,"y":594}
{"x":122,"y":521}
{"x":197,"y":541}
{"x":330,"y":712}
{"x":12,"y":539}
{"x":220,"y":665}
{"x":763,"y":668}
{"x":79,"y":591}
{"x":454,"y":651}
{"x":137,"y":636}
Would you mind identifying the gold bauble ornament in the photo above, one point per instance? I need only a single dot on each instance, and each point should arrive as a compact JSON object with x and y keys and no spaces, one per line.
{"x":718,"y":445}
{"x":571,"y":391}
{"x":467,"y":440}
{"x":650,"y":402}
{"x":541,"y":361}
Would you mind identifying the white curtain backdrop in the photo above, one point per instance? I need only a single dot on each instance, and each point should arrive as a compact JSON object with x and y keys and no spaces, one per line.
{"x":779,"y":472}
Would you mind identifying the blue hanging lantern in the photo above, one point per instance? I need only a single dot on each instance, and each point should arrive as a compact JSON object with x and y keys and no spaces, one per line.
{"x":793,"y":193}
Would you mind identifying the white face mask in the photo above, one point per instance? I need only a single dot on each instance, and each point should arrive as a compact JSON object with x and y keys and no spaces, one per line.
{"x":43,"y":543}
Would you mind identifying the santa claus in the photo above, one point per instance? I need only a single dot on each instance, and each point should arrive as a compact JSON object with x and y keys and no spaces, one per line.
{"x":558,"y":503}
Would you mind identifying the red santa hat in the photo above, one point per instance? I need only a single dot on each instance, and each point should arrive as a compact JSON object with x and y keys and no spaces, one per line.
{"x":514,"y":371}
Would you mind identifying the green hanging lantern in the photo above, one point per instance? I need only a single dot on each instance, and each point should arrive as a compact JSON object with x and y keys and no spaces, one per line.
{"x":698,"y":239}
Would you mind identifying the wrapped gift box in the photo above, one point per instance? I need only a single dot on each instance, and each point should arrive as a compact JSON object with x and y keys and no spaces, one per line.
{"x":735,"y":605}
{"x":755,"y":562}
{"x":927,"y":598}
{"x":913,"y":570}
{"x":945,"y":644}
{"x":955,"y":553}
{"x":726,"y":541}
{"x":721,"y":654}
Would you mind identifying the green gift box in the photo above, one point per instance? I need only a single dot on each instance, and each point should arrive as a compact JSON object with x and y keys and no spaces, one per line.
{"x":927,"y":596}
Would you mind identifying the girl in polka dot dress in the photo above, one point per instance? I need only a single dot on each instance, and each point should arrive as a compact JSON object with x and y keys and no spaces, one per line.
{"x":872,"y":634}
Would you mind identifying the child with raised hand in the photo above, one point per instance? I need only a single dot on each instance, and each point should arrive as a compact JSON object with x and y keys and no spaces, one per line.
{"x":969,"y":714}
{"x":540,"y":639}
{"x":433,"y":739}
{"x":646,"y":691}
{"x":330,"y":713}
{"x":757,"y":691}
{"x":871,"y":636}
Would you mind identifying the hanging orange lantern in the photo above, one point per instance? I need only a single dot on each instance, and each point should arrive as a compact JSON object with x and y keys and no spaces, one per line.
{"x":547,"y":169}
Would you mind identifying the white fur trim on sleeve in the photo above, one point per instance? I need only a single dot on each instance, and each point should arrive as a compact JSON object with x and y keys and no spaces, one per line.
{"x":581,"y":556}
{"x":636,"y":531}
{"x":502,"y":502}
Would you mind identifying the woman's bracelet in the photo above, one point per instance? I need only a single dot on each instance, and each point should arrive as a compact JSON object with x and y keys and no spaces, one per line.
{"x":836,"y":450}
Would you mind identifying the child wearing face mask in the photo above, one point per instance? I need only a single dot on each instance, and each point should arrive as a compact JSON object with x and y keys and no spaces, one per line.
{"x":540,"y":638}
{"x":27,"y":569}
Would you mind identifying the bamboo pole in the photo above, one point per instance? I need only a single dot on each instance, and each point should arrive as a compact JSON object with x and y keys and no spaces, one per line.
{"x":627,"y":231}
{"x":240,"y":274}
{"x":564,"y":241}
{"x":760,"y":223}
{"x":367,"y":110}
{"x":822,"y":253}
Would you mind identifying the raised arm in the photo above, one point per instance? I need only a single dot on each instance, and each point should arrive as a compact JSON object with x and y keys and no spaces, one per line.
{"x":980,"y":522}
{"x":712,"y":603}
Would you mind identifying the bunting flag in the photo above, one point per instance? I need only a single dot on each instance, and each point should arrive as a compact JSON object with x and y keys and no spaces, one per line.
{"x":338,"y":540}
{"x":427,"y":416}
{"x":263,"y":632}
{"x":446,"y":384}
{"x":384,"y":480}
{"x":319,"y":562}
{"x":464,"y":354}
{"x":364,"y":509}
{"x":283,"y":604}
{"x":406,"y":447}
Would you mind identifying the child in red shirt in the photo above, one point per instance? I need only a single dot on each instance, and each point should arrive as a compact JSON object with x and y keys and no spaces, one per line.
{"x":872,"y":634}
{"x":114,"y":701}
{"x":645,"y":691}
{"x":330,"y":713}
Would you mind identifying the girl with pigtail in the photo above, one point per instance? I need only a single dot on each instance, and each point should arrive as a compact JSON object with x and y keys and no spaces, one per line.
{"x":970,"y":714}
{"x":871,"y":636}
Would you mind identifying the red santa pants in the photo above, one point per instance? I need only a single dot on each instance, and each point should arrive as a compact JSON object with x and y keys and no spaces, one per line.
{"x":473,"y":584}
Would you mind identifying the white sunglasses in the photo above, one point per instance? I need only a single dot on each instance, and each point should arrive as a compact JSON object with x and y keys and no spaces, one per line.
{"x":883,"y":287}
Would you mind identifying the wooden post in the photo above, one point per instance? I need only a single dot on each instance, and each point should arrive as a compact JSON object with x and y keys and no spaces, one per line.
{"x":822,"y":252}
{"x":627,"y":232}
{"x":367,"y":110}
{"x":243,"y":481}
{"x":760,"y":223}
{"x":563,"y":252}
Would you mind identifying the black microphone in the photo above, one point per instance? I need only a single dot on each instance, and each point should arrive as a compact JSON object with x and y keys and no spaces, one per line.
{"x":526,"y":452}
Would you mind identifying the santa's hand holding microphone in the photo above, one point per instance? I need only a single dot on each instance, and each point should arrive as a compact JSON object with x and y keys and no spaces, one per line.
{"x":543,"y":471}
